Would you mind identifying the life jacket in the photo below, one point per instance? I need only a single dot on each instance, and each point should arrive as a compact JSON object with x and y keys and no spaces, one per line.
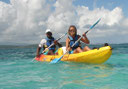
{"x":72,"y":41}
{"x":49,"y":41}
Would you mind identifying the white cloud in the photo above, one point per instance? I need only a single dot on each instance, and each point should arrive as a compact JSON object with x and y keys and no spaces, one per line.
{"x":63,"y":16}
{"x":25,"y":21}
{"x":108,"y":17}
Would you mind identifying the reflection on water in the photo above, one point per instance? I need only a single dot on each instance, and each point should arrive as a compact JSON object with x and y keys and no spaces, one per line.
{"x":86,"y":74}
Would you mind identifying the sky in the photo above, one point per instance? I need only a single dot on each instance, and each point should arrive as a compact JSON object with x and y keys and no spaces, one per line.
{"x":25,"y":21}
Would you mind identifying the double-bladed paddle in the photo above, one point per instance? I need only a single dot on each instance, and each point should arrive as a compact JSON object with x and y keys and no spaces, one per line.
{"x":53,"y":42}
{"x":58,"y":59}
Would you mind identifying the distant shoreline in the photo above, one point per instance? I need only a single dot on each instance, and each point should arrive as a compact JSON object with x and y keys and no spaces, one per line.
{"x":35,"y":45}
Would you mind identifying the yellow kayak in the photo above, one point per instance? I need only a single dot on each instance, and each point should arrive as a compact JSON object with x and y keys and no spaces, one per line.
{"x":95,"y":56}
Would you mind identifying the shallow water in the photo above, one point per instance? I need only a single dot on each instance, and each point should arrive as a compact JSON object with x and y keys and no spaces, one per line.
{"x":17,"y":71}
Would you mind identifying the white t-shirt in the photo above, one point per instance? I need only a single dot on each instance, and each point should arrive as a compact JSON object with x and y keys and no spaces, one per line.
{"x":42,"y":42}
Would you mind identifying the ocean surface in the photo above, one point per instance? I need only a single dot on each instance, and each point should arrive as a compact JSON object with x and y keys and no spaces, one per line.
{"x":18,"y":71}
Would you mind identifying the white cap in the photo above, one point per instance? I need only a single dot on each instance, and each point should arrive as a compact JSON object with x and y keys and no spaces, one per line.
{"x":48,"y":30}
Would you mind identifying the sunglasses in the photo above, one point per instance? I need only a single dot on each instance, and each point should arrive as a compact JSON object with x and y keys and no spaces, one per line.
{"x":71,"y":30}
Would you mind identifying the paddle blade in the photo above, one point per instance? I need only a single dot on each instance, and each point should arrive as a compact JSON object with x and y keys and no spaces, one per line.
{"x":56,"y":60}
{"x":95,"y":24}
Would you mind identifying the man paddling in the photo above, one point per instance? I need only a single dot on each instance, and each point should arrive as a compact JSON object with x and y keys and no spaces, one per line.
{"x":45,"y":43}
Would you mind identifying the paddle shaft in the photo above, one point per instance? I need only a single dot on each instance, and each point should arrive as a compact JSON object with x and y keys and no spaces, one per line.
{"x":73,"y":44}
{"x":81,"y":37}
{"x":56,"y":60}
{"x":86,"y":32}
{"x":53,"y":43}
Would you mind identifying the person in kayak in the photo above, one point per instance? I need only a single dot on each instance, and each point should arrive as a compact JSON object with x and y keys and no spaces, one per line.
{"x":45,"y":43}
{"x":72,"y":38}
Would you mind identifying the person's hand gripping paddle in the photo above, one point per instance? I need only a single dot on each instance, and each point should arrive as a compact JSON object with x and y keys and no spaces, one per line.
{"x":58,"y":59}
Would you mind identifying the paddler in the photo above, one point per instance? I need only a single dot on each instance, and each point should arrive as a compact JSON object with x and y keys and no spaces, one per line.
{"x":45,"y":43}
{"x":72,"y":38}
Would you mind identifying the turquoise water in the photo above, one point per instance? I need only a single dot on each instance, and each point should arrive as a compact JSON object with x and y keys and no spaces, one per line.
{"x":17,"y":71}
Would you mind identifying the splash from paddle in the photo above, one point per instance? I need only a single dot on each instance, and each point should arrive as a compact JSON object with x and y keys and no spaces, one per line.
{"x":58,"y":59}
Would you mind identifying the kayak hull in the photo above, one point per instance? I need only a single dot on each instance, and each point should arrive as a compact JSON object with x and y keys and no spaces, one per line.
{"x":95,"y":56}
